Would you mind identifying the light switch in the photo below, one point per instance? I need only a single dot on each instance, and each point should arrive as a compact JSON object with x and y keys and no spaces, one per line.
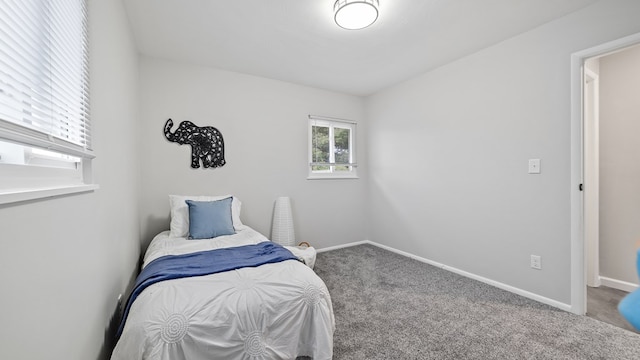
{"x":534,"y":166}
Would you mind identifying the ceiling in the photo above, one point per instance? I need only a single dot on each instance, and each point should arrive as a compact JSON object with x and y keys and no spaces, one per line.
{"x":298,"y":42}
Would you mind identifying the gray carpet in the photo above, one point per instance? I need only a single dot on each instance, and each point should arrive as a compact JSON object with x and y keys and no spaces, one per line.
{"x":388,"y":306}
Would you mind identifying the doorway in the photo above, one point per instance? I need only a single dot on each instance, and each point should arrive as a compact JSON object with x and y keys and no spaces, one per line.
{"x":594,"y":294}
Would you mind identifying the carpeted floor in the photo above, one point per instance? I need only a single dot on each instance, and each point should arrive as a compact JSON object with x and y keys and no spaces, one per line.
{"x":388,"y":306}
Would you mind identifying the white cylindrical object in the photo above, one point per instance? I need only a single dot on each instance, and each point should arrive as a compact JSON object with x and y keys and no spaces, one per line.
{"x":282,"y":226}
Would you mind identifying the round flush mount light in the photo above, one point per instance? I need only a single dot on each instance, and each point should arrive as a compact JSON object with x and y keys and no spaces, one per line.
{"x":355,"y":14}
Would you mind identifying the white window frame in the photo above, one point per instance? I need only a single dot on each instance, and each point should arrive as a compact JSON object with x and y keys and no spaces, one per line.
{"x":37,"y":179}
{"x":332,"y":123}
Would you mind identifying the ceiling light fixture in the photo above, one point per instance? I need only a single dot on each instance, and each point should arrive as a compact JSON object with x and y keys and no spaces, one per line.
{"x":355,"y":14}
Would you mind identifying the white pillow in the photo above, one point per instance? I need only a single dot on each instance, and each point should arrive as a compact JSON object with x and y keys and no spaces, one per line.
{"x":180,"y":212}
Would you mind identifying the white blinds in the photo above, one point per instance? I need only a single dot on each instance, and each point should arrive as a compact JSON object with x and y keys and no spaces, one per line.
{"x":44,"y":81}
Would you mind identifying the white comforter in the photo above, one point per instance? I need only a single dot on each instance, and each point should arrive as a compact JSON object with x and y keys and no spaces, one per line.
{"x":274,"y":311}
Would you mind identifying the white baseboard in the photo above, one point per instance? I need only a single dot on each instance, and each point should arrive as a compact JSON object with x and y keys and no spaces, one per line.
{"x":342,"y":246}
{"x":499,"y":285}
{"x":618,"y":284}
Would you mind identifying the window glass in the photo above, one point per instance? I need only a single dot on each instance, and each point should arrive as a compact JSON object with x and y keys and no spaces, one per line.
{"x":25,"y":155}
{"x":342,"y":153}
{"x":320,"y":147}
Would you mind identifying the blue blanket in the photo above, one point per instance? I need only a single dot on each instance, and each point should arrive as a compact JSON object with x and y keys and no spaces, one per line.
{"x":204,"y":263}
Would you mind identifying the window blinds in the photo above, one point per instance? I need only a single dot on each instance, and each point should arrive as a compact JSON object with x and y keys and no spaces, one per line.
{"x":44,"y":80}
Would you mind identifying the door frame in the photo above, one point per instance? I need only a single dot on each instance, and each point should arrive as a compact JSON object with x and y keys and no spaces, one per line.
{"x":578,"y":255}
{"x":591,"y":101}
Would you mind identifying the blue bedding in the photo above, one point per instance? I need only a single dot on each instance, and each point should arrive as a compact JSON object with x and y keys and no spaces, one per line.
{"x":204,"y":263}
{"x":629,"y":307}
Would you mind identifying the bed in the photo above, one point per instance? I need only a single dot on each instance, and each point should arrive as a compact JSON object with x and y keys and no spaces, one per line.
{"x":274,"y":310}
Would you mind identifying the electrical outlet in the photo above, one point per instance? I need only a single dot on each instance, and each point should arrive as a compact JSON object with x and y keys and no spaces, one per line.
{"x":536,"y":262}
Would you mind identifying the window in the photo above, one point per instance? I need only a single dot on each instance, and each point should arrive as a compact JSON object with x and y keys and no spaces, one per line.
{"x":45,"y":139}
{"x":332,"y":150}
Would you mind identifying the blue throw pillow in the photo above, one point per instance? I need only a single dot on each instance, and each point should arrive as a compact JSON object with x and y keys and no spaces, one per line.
{"x":209,"y":219}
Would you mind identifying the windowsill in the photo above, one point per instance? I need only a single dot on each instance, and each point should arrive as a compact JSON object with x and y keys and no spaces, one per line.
{"x":332,"y":177}
{"x":19,"y":195}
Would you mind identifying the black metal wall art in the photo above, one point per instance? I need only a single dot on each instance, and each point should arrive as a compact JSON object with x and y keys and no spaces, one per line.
{"x":207,"y":145}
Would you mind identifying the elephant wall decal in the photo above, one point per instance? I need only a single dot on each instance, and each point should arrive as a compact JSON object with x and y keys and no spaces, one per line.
{"x":207,"y":145}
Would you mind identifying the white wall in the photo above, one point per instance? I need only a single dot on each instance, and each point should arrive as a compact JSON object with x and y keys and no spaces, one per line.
{"x":619,"y":164}
{"x":264,"y":125}
{"x":65,"y":260}
{"x":448,"y":155}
